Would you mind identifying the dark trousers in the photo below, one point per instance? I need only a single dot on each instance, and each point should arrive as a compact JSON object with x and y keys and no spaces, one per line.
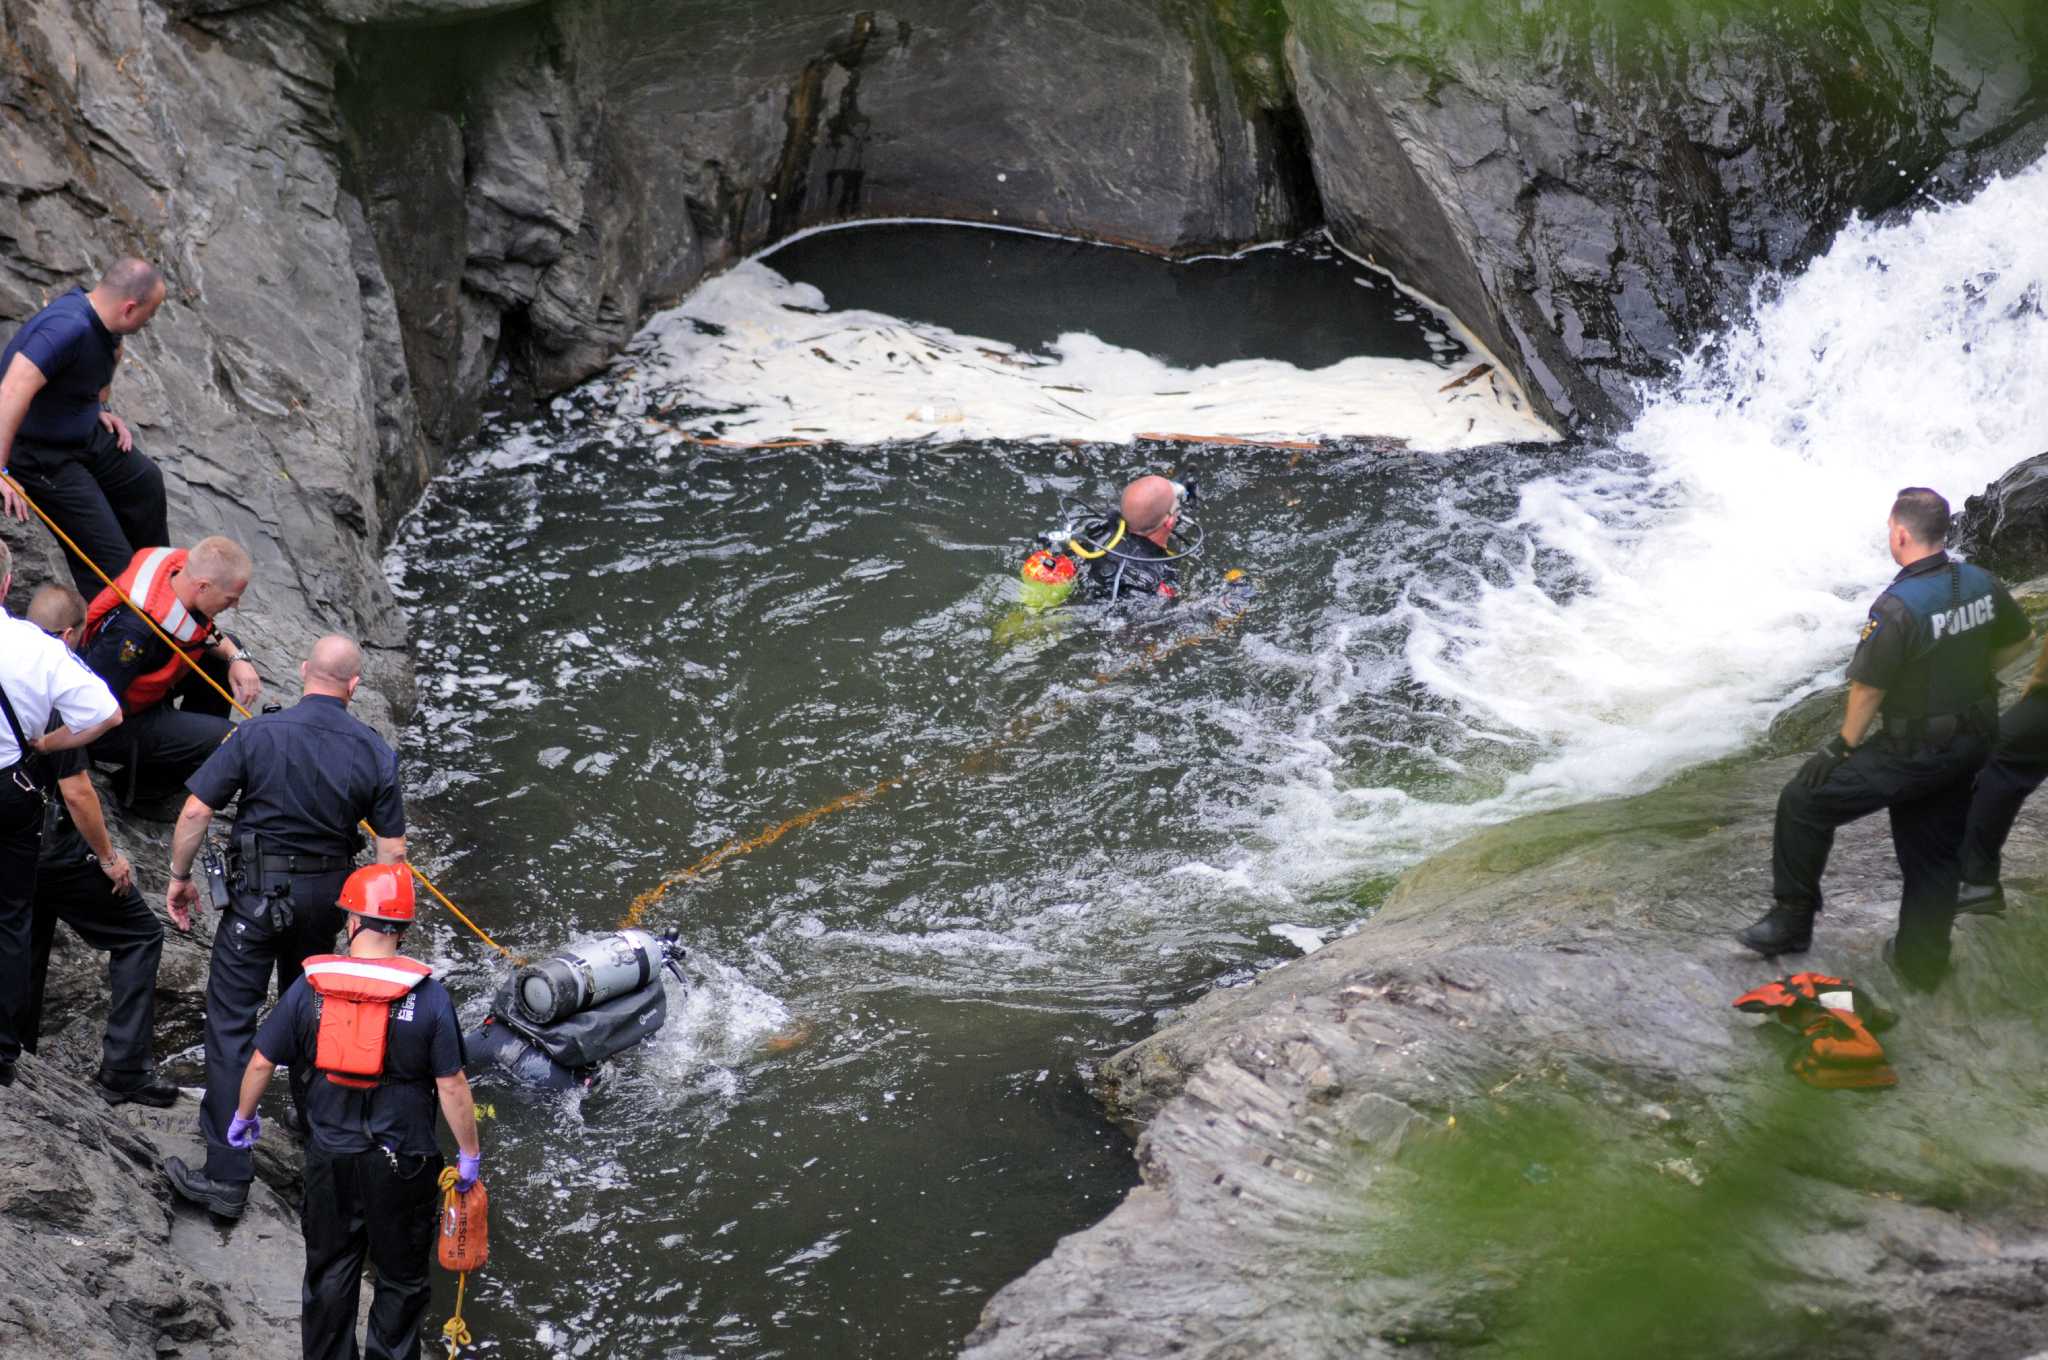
{"x":121,"y":926}
{"x":248,"y":949}
{"x":21,"y":839}
{"x":1926,"y":789}
{"x":110,"y":502}
{"x":2018,"y":765}
{"x":160,"y":747}
{"x":367,"y":1204}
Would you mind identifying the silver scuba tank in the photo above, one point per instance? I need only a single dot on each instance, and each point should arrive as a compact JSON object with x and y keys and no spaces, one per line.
{"x":587,"y":974}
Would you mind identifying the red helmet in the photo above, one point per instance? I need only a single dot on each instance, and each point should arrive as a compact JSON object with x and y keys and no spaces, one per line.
{"x":380,"y":892}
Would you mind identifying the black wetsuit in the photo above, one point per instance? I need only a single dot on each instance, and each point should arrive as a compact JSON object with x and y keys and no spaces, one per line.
{"x":1136,"y":566}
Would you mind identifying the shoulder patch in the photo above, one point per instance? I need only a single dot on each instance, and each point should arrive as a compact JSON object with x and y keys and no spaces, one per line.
{"x":130,"y":649}
{"x":1870,"y":627}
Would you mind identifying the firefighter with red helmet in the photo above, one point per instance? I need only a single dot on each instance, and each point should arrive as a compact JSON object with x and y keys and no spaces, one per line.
{"x":382,"y":1037}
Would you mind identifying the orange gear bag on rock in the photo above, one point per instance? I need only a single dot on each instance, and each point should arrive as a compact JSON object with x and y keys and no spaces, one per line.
{"x":1837,"y":1022}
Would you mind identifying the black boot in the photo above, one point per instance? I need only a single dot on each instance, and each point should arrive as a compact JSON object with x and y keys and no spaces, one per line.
{"x":1921,"y":978}
{"x":1784,"y":929}
{"x":1981,"y":899}
{"x":137,"y":1088}
{"x":222,"y":1199}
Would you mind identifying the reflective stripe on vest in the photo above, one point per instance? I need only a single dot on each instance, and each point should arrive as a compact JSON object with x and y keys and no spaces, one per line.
{"x":147,"y":581}
{"x":355,"y":1001}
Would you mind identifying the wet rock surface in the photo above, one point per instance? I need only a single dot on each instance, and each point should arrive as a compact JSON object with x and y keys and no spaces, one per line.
{"x":538,"y":183}
{"x":2006,"y":528}
{"x":1549,"y":997}
{"x":101,"y":1263}
{"x":1595,"y":189}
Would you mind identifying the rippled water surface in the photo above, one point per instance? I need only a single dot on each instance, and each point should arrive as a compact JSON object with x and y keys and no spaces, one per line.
{"x":868,"y":1110}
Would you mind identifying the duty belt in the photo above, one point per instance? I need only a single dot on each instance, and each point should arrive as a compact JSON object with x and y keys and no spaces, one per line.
{"x":270,"y":863}
{"x":1941,"y":729}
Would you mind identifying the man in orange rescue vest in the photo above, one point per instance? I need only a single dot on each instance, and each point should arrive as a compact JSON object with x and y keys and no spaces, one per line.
{"x":174,"y":719}
{"x":383,"y":1035}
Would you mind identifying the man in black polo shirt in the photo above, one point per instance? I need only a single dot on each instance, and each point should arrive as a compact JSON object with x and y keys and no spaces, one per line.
{"x":305,"y":777}
{"x":390,"y":1049}
{"x":83,"y":881}
{"x":77,"y":458}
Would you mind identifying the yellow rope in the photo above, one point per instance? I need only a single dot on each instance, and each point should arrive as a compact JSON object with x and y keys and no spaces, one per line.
{"x":200,"y":671}
{"x":1020,"y":727}
{"x":454,"y":1331}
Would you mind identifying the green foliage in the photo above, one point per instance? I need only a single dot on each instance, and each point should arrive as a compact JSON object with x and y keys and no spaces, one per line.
{"x":1582,"y":1232}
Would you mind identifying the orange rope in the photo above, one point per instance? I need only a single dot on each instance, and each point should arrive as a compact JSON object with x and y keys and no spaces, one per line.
{"x":199,"y":671}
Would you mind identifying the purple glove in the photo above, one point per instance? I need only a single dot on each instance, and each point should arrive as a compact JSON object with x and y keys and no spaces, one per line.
{"x":467,"y":1166}
{"x":243,"y":1133}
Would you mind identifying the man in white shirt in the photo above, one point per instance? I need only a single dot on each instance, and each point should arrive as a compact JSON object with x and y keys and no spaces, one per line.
{"x":38,"y":677}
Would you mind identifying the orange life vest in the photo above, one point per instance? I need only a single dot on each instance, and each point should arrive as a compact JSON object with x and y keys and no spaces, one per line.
{"x":1836,"y":1020}
{"x":147,"y":581}
{"x":356,"y":997}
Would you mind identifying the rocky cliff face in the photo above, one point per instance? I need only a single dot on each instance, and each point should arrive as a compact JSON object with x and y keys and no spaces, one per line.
{"x":1595,"y":188}
{"x":538,"y":182}
{"x":1516,"y":1114}
{"x":99,"y":1265}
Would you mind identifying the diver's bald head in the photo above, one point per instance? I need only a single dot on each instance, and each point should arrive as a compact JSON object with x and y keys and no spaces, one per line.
{"x":333,"y":667}
{"x":1148,"y":506}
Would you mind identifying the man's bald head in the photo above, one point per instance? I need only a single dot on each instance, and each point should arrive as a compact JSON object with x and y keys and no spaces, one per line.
{"x":127,"y":295}
{"x":56,"y":609}
{"x":333,"y":667}
{"x":131,"y":280}
{"x":1148,"y":505}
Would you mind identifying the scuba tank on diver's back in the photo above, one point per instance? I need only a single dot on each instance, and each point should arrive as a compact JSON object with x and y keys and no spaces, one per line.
{"x":554,"y":1023}
{"x":584,"y":976}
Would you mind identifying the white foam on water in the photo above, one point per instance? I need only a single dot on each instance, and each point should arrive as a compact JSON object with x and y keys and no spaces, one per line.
{"x":753,"y":343}
{"x":1663,"y":614}
{"x":716,"y":1023}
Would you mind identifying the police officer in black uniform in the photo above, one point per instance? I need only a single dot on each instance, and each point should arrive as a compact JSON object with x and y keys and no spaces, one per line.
{"x":83,"y":881}
{"x":305,"y":776}
{"x":1138,"y":562}
{"x":2018,"y":766}
{"x":1927,"y":662}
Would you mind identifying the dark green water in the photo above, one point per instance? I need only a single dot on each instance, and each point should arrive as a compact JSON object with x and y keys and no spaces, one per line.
{"x":869,"y":1110}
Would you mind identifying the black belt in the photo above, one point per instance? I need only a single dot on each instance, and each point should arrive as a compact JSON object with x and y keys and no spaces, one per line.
{"x":301,"y":864}
{"x":1940,"y":729}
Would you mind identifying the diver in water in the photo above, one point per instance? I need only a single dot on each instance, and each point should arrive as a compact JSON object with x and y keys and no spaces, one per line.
{"x":1142,"y":563}
{"x":553,"y":1024}
{"x":1132,"y":554}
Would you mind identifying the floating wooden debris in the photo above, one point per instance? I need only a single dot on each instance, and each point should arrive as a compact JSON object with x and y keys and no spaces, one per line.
{"x":1230,"y":439}
{"x":1475,"y":375}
